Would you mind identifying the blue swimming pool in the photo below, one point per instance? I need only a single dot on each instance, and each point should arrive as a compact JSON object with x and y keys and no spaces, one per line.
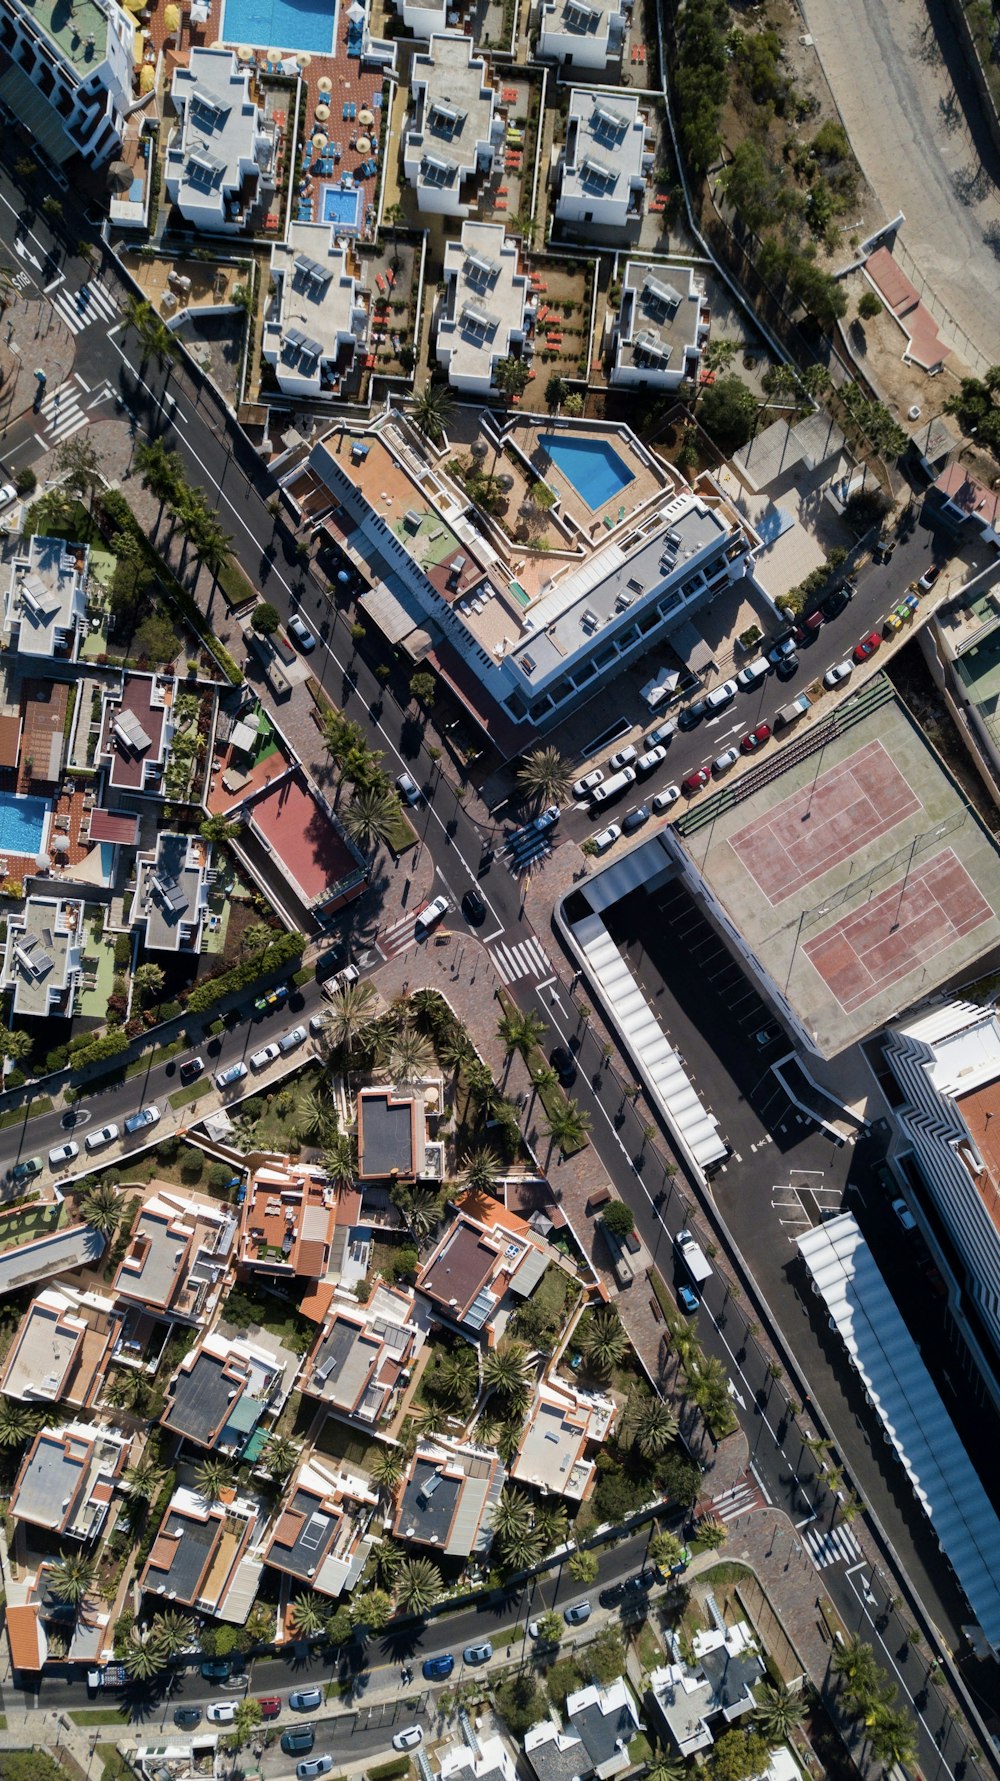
{"x":591,"y":466}
{"x":22,"y":823}
{"x":281,"y":24}
{"x":340,"y":207}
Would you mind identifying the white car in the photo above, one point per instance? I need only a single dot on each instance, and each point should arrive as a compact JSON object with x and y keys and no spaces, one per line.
{"x":317,"y":1023}
{"x":266,"y":1055}
{"x":431,"y":913}
{"x":8,"y":493}
{"x":904,"y":1215}
{"x":836,"y":675}
{"x":721,"y":696}
{"x":623,"y":757}
{"x":408,"y":789}
{"x":408,"y":1739}
{"x":105,"y":1134}
{"x":606,"y":838}
{"x":778,"y":651}
{"x":63,"y":1153}
{"x":664,"y":799}
{"x":722,"y":762}
{"x":232,"y":1073}
{"x":302,"y":634}
{"x":289,"y":1041}
{"x":650,"y":760}
{"x":221,"y":1712}
{"x":548,"y":817}
{"x":584,"y":786}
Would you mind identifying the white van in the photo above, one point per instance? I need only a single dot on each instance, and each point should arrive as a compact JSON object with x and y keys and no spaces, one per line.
{"x":753,"y":674}
{"x":612,"y":788}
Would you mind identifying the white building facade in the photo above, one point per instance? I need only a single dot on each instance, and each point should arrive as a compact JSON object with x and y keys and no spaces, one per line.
{"x":70,"y":83}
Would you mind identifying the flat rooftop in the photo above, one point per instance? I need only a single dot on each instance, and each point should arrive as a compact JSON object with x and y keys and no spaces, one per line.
{"x":385,"y":1135}
{"x":297,"y":830}
{"x":134,"y":726}
{"x":78,"y":28}
{"x":167,"y":892}
{"x":428,"y":1503}
{"x":462,"y":1265}
{"x":605,"y":144}
{"x":318,"y":301}
{"x":42,"y":956}
{"x":454,"y":109}
{"x":659,"y":315}
{"x":483,"y":308}
{"x":858,"y":876}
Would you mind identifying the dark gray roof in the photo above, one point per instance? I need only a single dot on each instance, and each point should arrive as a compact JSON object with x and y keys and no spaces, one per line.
{"x":334,"y":1352}
{"x":190,"y":1556}
{"x":200,"y":1404}
{"x":730,"y":1677}
{"x":602,"y":1733}
{"x":386,"y":1136}
{"x":427,"y":1507}
{"x":306,"y":1552}
{"x":552,"y":1764}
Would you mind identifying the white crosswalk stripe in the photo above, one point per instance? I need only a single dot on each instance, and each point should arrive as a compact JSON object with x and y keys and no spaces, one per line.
{"x":836,"y":1547}
{"x":737,"y":1501}
{"x":62,"y":412}
{"x":525,"y":958}
{"x":82,"y":308}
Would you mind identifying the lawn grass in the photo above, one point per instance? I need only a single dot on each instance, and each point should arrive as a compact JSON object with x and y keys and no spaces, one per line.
{"x":30,"y":1222}
{"x":98,"y":1716}
{"x":237,"y":590}
{"x":648,"y":1648}
{"x":640,"y":1749}
{"x":182,"y":1096}
{"x":339,"y":1442}
{"x":402,"y":836}
{"x":160,"y":1056}
{"x":15,"y":1115}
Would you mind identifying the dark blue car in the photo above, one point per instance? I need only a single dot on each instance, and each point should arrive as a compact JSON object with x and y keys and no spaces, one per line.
{"x":436,"y":1668}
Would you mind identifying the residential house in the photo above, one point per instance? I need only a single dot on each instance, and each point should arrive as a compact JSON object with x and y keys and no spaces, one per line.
{"x":68,"y":1478}
{"x":290,"y":1220}
{"x":136,"y":732}
{"x":964,"y":502}
{"x":486,"y":1758}
{"x":453,"y":131}
{"x":448,"y":1497}
{"x":317,"y":320}
{"x":661,"y":326}
{"x":320,"y":1533}
{"x":481,"y":317}
{"x":564,"y":1425}
{"x":423,"y":17}
{"x":600,"y":177}
{"x":582,"y":35}
{"x":68,"y":77}
{"x":62,"y":1348}
{"x":221,"y":160}
{"x":41,"y":728}
{"x":57,"y":1252}
{"x":599,"y":1725}
{"x":477,"y":1274}
{"x":26,"y":1637}
{"x":362,"y":1357}
{"x":224,"y":1387}
{"x":173,"y":884}
{"x":205,"y":1557}
{"x":43,"y":956}
{"x":45,"y":608}
{"x":692,"y":1703}
{"x":392,"y":1135}
{"x":178,"y":1257}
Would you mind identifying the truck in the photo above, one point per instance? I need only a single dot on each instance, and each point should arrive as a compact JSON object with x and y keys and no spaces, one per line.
{"x":790,"y":713}
{"x":620,"y":1265}
{"x":611,"y":789}
{"x":693,"y":1257}
{"x":111,"y":1676}
{"x":270,"y":662}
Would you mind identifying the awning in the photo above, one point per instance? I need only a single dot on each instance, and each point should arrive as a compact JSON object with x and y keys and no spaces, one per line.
{"x":399,"y":616}
{"x":33,"y":110}
{"x":110,"y":825}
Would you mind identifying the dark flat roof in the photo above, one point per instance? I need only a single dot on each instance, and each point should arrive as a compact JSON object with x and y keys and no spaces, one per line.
{"x":189,"y":1560}
{"x":602,"y":1733}
{"x":463,"y":1264}
{"x":385,"y":1136}
{"x":304,"y":1535}
{"x":429,"y":1514}
{"x":729,"y":1676}
{"x":201,"y":1404}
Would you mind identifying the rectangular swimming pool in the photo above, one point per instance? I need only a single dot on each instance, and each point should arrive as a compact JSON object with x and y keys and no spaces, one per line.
{"x":305,"y":25}
{"x":22,"y":823}
{"x":341,"y":206}
{"x":591,"y":466}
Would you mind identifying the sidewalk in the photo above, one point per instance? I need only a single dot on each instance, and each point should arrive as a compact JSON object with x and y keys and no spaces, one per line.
{"x":32,"y":337}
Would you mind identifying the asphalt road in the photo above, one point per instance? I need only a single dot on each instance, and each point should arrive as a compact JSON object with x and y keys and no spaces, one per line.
{"x":216,"y":455}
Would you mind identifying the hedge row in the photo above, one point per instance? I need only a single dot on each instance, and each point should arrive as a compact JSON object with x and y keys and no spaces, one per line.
{"x":281,"y":952}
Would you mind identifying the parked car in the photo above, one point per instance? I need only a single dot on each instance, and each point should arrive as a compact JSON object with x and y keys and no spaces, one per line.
{"x":191,"y":1069}
{"x":808,"y":629}
{"x":929,"y":577}
{"x":755,"y":739}
{"x":694,"y":781}
{"x":317,"y":1023}
{"x":233,"y":1073}
{"x":787,"y":668}
{"x":836,"y":675}
{"x":688,"y":1300}
{"x":768,"y":1035}
{"x":563,"y":1065}
{"x":478,"y":1654}
{"x":436,"y":1668}
{"x":584,"y":786}
{"x":721,"y":696}
{"x":576,"y":1616}
{"x":408,"y":1738}
{"x":635,"y":819}
{"x":722,"y":762}
{"x":105,"y":1134}
{"x":663,"y":800}
{"x":867,"y":646}
{"x":300,"y":632}
{"x":834,"y":604}
{"x":474,"y":906}
{"x":305,"y":1700}
{"x":904,"y":1215}
{"x":270,"y":1705}
{"x":780,"y":648}
{"x":662,"y":734}
{"x":430,"y":914}
{"x":408,"y":788}
{"x":648,"y":762}
{"x":883,"y":552}
{"x":63,"y":1153}
{"x":266,"y":1055}
{"x":892,"y":623}
{"x":606,"y":838}
{"x":189,"y":1716}
{"x":221,"y":1712}
{"x":289,"y":1041}
{"x":298,"y":1737}
{"x":137,"y":1122}
{"x":623,"y":757}
{"x":313,"y":1765}
{"x":8,"y":494}
{"x":215,"y":1671}
{"x":26,"y":1171}
{"x":535,"y":1632}
{"x":692,"y":714}
{"x":548,"y":817}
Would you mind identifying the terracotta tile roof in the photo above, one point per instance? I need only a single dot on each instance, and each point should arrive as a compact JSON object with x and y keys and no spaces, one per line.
{"x":22,"y":1633}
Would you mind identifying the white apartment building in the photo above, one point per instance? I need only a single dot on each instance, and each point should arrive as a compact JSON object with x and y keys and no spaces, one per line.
{"x":482,"y":313}
{"x":43,"y":956}
{"x":220,"y":164}
{"x":661,"y":326}
{"x":318,"y":318}
{"x":70,"y":76}
{"x":452,"y":131}
{"x":601,"y":174}
{"x":422,"y":17}
{"x":45,"y":607}
{"x":582,"y":33}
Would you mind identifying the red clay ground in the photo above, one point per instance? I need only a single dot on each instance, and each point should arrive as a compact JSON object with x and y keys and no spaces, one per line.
{"x":816,"y":828}
{"x":901,"y":929}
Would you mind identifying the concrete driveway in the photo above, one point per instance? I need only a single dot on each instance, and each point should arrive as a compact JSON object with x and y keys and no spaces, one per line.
{"x":914,"y":123}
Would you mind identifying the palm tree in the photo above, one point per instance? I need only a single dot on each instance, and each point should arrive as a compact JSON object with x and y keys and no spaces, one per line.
{"x":506,"y":1370}
{"x":423,"y":1211}
{"x":340,"y":1159}
{"x":16,"y":1044}
{"x":17,"y":1423}
{"x":172,"y":1632}
{"x":480,"y":1168}
{"x":160,"y":470}
{"x":546,"y":776}
{"x":602,"y":1340}
{"x":72,"y":1579}
{"x":778,"y":1713}
{"x":583,"y":1566}
{"x":246,"y":1719}
{"x":854,"y":1662}
{"x":520,"y":1032}
{"x":712,"y":1532}
{"x":308,"y":1615}
{"x":386,"y":1469}
{"x":656,"y":1428}
{"x":665,"y":1550}
{"x":280,"y":1457}
{"x":511,"y":376}
{"x":408,"y":1056}
{"x":432,"y":410}
{"x":719,"y":354}
{"x":893,"y":1739}
{"x":552,"y":1524}
{"x":144,"y":1657}
{"x":143,"y":1480}
{"x":315,"y":1116}
{"x":455,"y":1376}
{"x":668,"y":1768}
{"x":212,"y":1477}
{"x":521,"y":1549}
{"x":388,"y":1559}
{"x":567,"y":1125}
{"x":125,"y":1390}
{"x":371,"y":1610}
{"x":351,"y":1013}
{"x":371,"y":816}
{"x":148,"y":980}
{"x":101,"y":1208}
{"x":512,"y":1515}
{"x":482,"y":1088}
{"x":418,"y":1585}
{"x":258,"y":937}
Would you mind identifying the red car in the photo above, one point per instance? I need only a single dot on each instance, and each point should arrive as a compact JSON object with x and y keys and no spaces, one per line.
{"x":695,"y":781}
{"x":755,"y":738}
{"x":805,"y":631}
{"x":867,"y":646}
{"x":270,"y":1705}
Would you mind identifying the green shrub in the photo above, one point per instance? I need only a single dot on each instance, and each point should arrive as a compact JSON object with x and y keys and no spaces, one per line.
{"x":618,"y":1219}
{"x":219,"y":1175}
{"x":57,"y":1058}
{"x":15,"y":1078}
{"x":123,"y":951}
{"x":192,"y":1166}
{"x":94,"y":1051}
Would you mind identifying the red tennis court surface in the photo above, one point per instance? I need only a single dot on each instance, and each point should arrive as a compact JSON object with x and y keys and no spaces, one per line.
{"x":302,"y":837}
{"x":847,"y":807}
{"x":898,"y":930}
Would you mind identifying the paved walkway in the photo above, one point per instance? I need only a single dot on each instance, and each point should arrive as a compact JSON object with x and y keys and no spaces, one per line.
{"x":32,"y":337}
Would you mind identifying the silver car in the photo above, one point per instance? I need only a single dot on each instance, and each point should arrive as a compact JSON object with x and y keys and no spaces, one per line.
{"x":836,"y":675}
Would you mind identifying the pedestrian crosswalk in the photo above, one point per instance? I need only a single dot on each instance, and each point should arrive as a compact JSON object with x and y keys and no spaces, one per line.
{"x":62,"y":413}
{"x":838,"y":1546}
{"x":81,"y":308}
{"x":739,"y":1500}
{"x":523,"y":958}
{"x":399,"y":936}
